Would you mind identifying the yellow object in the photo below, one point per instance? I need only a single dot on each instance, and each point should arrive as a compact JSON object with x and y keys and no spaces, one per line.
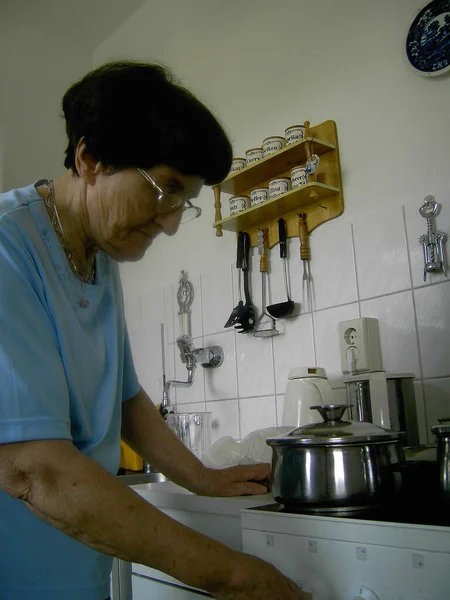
{"x":129,"y":460}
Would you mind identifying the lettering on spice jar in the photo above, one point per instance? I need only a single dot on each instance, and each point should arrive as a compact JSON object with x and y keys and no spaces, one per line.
{"x":279,"y":186}
{"x":273,"y":144}
{"x":258,"y":196}
{"x":237,"y":164}
{"x":238,"y":204}
{"x":294,"y":134}
{"x":299,"y":177}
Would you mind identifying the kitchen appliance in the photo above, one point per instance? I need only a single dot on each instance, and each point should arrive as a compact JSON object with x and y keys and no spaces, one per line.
{"x":442,"y":433}
{"x":368,"y":397}
{"x":401,"y":552}
{"x":372,"y":395}
{"x":336,"y":465}
{"x":307,"y":386}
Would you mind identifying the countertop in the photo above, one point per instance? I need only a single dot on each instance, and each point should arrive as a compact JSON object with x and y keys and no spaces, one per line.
{"x":168,"y":495}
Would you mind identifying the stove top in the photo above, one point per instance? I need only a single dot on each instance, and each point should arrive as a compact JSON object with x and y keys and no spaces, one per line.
{"x":433,"y":513}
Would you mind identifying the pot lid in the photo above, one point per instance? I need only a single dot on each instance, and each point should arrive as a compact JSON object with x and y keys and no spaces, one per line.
{"x":443,"y":427}
{"x":333,"y":430}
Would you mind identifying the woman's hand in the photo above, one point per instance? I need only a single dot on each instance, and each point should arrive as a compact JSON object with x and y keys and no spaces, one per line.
{"x":234,"y":481}
{"x":257,"y":580}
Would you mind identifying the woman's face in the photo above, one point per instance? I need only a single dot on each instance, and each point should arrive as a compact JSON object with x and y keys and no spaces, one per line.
{"x":121,"y":209}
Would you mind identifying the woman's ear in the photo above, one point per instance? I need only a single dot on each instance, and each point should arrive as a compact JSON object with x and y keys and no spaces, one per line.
{"x":87,"y":166}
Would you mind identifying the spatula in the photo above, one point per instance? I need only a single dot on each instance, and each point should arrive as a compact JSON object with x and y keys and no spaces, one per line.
{"x":282,"y":309}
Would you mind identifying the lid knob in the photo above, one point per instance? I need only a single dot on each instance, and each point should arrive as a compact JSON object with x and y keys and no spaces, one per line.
{"x":331,"y":412}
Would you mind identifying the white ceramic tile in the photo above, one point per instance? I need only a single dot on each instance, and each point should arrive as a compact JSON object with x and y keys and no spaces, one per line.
{"x":217,"y":299}
{"x":195,"y":407}
{"x":380,"y":252}
{"x":196,"y":392}
{"x":415,"y":227}
{"x":152,"y":308}
{"x":221,"y":382}
{"x":332,"y":265}
{"x":142,"y":355}
{"x":421,"y":411}
{"x":279,"y":401}
{"x":433,"y":321}
{"x":254,"y":365}
{"x":327,"y":339}
{"x":168,"y":313}
{"x":147,"y":357}
{"x":225,"y":419}
{"x":195,"y":314}
{"x":340,"y":395}
{"x":257,"y":413}
{"x":293,"y":348}
{"x":398,"y":335}
{"x":437,"y":402}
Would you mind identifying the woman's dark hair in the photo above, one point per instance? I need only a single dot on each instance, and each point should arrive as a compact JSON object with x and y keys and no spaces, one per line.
{"x":133,"y":114}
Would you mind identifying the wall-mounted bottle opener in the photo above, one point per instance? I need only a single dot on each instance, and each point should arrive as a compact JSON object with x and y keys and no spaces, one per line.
{"x":432,"y":241}
{"x":185,"y":297}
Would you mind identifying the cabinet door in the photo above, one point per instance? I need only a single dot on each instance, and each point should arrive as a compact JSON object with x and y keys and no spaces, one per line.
{"x":148,"y":589}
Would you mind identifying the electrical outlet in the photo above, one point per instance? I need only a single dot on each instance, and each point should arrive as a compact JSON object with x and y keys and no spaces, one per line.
{"x":359,"y":343}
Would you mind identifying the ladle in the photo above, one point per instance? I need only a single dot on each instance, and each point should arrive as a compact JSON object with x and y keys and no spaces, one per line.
{"x":282,"y":309}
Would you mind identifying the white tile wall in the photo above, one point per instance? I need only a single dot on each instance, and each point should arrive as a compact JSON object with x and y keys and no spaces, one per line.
{"x":398,"y":334}
{"x":326,"y":338}
{"x":375,"y":271}
{"x":437,"y":394}
{"x":381,"y":254}
{"x":339,"y":285}
{"x":433,"y":321}
{"x":257,"y":413}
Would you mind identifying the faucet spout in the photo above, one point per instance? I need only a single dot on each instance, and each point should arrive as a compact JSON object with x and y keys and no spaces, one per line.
{"x":208,"y":357}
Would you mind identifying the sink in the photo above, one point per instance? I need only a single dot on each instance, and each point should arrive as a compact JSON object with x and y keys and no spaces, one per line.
{"x":137,"y":478}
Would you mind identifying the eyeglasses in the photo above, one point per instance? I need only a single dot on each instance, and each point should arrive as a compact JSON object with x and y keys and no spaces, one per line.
{"x":168,"y":202}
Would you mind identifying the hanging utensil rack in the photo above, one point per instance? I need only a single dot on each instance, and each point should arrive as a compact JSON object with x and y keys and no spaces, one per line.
{"x":321,"y":198}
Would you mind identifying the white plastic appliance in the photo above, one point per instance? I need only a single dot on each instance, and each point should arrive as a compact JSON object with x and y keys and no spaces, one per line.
{"x":337,"y":558}
{"x":307,"y":386}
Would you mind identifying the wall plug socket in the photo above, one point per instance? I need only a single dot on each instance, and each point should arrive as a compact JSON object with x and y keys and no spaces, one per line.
{"x":359,"y":343}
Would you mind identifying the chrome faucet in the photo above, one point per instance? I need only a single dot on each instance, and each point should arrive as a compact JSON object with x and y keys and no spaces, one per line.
{"x":210,"y":357}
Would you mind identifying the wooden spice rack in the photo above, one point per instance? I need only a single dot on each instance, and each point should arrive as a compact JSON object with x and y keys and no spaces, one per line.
{"x":321,"y":198}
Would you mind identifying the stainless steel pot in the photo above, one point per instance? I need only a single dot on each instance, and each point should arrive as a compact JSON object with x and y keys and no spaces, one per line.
{"x":442,"y":433}
{"x":336,"y":465}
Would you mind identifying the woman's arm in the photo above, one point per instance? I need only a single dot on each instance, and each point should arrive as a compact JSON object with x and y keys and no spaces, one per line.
{"x":76,"y":495}
{"x":146,"y":432}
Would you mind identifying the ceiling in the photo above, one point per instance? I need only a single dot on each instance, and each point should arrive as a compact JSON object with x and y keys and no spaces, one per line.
{"x":87,"y":22}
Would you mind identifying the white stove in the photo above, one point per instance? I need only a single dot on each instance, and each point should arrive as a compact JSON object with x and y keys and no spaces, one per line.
{"x":387,"y":554}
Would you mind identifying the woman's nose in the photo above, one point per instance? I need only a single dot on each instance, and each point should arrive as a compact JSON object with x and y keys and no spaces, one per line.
{"x":169,"y":222}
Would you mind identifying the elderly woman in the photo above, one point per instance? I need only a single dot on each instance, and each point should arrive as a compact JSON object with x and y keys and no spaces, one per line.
{"x":140,"y":147}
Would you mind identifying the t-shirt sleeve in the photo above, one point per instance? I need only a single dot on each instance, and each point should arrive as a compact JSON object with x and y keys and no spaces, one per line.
{"x":34,"y":398}
{"x":130,"y":385}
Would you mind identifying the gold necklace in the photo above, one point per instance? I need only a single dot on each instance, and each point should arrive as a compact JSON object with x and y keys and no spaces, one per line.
{"x":85,"y":274}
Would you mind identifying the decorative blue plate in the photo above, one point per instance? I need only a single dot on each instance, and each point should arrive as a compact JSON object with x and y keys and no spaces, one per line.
{"x":428,"y":40}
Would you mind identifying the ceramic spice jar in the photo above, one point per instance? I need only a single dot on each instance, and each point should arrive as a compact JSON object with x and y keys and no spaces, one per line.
{"x":279,"y":186}
{"x":238,"y":164}
{"x":273,"y":144}
{"x":259,"y":196}
{"x":238,"y":204}
{"x":252,"y":155}
{"x":294,"y":133}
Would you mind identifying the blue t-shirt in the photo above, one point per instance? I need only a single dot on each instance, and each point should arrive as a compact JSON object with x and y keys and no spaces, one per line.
{"x":64,"y":371}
